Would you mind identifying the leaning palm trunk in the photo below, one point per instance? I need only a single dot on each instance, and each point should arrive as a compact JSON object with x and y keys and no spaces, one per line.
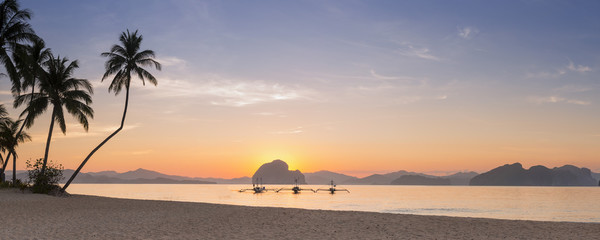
{"x":101,"y":144}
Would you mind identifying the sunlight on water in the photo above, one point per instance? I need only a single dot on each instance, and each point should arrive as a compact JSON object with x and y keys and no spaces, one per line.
{"x":574,"y":204}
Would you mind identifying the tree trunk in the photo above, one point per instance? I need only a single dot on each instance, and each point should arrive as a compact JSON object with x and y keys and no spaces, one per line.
{"x":14,"y":168}
{"x":48,"y":141}
{"x":2,"y":170}
{"x":20,"y":130}
{"x":102,"y":143}
{"x":3,"y":166}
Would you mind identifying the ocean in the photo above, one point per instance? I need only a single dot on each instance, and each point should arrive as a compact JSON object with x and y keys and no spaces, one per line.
{"x":569,"y":204}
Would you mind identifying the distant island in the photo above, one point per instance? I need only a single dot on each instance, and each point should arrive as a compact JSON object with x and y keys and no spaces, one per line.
{"x":420,"y":180}
{"x":516,"y":175}
{"x":277,"y":172}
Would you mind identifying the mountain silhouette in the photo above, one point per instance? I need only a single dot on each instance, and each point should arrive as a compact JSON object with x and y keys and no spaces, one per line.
{"x":325,"y":177}
{"x":516,"y":175}
{"x":420,"y":180}
{"x":277,"y":172}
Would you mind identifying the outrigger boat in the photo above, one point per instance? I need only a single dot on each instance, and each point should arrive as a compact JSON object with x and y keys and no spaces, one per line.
{"x":296,"y":189}
{"x":257,"y":187}
{"x":332,"y":188}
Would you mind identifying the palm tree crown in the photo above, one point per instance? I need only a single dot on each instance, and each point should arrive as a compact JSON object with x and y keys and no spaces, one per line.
{"x":59,"y":88}
{"x":29,"y":60}
{"x":126,"y":59}
{"x":8,"y":135}
{"x":14,"y":29}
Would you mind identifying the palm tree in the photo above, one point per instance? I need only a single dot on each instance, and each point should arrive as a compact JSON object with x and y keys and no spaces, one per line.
{"x":123,"y":61}
{"x":10,"y":140}
{"x":14,"y":29}
{"x":59,"y":89}
{"x":28,"y":60}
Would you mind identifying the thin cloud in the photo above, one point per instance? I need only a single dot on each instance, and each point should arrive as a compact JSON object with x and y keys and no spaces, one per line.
{"x":544,"y":75}
{"x":142,"y":152}
{"x":556,"y":99}
{"x":578,"y":68}
{"x":240,"y":94}
{"x":270,"y":114}
{"x":296,"y":130}
{"x":572,"y":89}
{"x":383,"y":77}
{"x":417,"y":90}
{"x":76,"y":131}
{"x":571,"y":67}
{"x":467,"y":32}
{"x":171,"y":61}
{"x":233,"y":93}
{"x":3,"y":92}
{"x":410,"y":50}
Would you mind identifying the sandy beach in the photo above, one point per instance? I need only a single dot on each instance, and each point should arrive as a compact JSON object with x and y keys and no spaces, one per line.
{"x":34,"y":216}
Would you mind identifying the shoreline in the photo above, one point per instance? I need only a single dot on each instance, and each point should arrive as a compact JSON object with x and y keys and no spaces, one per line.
{"x":29,"y":215}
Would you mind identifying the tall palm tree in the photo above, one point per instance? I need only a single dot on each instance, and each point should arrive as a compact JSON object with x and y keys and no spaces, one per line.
{"x":123,"y":61}
{"x":28,"y":61}
{"x":10,"y":140}
{"x":59,"y":89}
{"x":14,"y":30}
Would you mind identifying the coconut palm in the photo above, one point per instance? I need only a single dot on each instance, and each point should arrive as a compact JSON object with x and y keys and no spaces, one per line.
{"x":58,"y":88}
{"x":28,"y":61}
{"x":14,"y":29}
{"x":10,"y":140}
{"x":124,"y":61}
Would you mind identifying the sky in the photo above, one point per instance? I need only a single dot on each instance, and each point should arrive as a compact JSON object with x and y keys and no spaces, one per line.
{"x":356,"y":87}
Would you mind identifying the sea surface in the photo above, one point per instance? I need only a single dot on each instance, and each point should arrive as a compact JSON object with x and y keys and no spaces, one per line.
{"x":570,"y":204}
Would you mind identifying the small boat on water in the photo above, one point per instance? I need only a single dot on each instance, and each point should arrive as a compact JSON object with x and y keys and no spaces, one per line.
{"x":257,"y":187}
{"x":333,"y":188}
{"x":296,"y":189}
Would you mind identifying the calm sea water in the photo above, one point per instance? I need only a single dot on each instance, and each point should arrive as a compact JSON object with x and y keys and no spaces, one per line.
{"x":572,"y":204}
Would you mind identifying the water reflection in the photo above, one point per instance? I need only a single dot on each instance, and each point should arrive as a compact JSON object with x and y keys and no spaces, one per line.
{"x":575,"y":204}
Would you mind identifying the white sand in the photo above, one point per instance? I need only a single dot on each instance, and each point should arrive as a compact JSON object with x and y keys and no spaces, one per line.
{"x":34,"y":216}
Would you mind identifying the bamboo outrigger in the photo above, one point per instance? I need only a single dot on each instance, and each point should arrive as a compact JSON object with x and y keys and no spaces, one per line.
{"x":257,"y":187}
{"x":332,"y":188}
{"x":296,"y":189}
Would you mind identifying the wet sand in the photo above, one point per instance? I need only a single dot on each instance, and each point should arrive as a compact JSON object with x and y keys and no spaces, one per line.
{"x":34,"y":216}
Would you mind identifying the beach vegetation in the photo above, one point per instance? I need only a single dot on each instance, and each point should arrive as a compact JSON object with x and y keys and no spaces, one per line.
{"x":44,"y":181}
{"x":124,"y":61}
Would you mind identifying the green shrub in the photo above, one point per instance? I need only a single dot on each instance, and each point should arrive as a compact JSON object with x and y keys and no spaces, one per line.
{"x":17,"y":184}
{"x":49,"y":181}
